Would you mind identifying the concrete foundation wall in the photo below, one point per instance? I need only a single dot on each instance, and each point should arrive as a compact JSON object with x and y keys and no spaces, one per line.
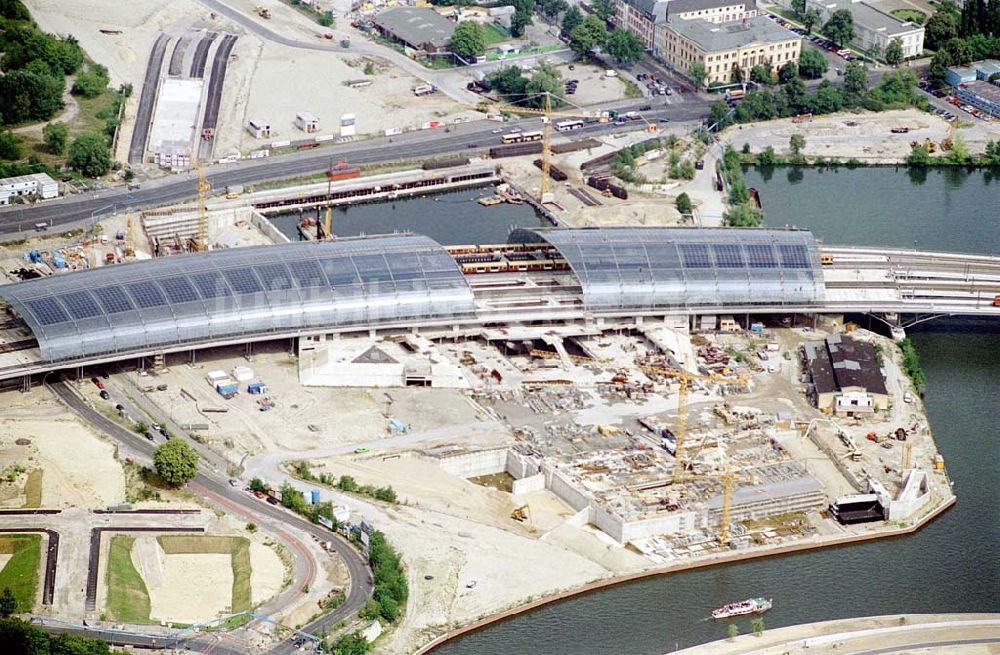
{"x":527,"y":485}
{"x":610,"y":524}
{"x":471,"y":465}
{"x":561,"y":486}
{"x":267,"y":228}
{"x":520,"y":466}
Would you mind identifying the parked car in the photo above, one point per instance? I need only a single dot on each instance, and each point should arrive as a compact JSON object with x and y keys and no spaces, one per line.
{"x":105,"y":395}
{"x":164,"y":432}
{"x":148,"y":435}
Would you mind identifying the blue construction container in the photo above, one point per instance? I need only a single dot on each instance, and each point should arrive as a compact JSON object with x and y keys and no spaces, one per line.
{"x":228,"y":389}
{"x":314,"y":495}
{"x":34,"y":256}
{"x":58,"y":261}
{"x":256,"y":387}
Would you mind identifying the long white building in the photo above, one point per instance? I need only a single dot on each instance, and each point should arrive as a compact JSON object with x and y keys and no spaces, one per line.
{"x":39,"y":185}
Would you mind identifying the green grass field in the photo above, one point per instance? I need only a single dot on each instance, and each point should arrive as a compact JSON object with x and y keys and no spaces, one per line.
{"x":237,"y":547}
{"x":128,"y":598}
{"x":33,"y":489}
{"x":914,"y":15}
{"x":21,"y":572}
{"x":495,"y":35}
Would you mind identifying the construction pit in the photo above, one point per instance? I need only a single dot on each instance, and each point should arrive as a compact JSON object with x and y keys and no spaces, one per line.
{"x":586,"y":417}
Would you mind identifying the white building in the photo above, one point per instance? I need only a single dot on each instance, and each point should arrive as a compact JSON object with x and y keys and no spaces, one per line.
{"x":39,"y":185}
{"x":872,"y":27}
{"x":259,"y":129}
{"x":306,"y":122}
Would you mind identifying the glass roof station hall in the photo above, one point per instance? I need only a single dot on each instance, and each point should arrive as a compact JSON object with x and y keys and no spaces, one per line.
{"x":396,"y":281}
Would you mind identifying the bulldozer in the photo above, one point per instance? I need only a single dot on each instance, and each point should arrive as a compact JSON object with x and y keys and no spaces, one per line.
{"x":521,"y":514}
{"x":263,"y":12}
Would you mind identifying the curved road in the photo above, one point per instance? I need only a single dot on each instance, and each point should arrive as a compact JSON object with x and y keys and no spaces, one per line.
{"x":219,"y":493}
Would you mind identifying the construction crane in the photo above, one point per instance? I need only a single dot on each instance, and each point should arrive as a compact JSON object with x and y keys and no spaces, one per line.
{"x":200,"y":242}
{"x":680,"y":433}
{"x":729,"y":477}
{"x":545,"y":194}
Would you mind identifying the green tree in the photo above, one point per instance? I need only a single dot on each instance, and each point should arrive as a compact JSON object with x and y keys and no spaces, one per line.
{"x":743,"y":215}
{"x":697,"y":73}
{"x":624,"y":46}
{"x":8,"y":604}
{"x":796,"y":143}
{"x":919,"y":156}
{"x":91,"y":81}
{"x":326,"y":20}
{"x":758,"y":626}
{"x":855,"y":80}
{"x":10,"y":146}
{"x":960,"y":50}
{"x":589,"y":34}
{"x":761,"y":74}
{"x":812,"y":64}
{"x":684,"y":204}
{"x":733,"y":631}
{"x":937,"y":71}
{"x":89,"y":154}
{"x":468,"y":41}
{"x":546,"y":80}
{"x":55,"y":135}
{"x":894,"y":52}
{"x":767,"y":157}
{"x":992,"y":155}
{"x":719,"y":115}
{"x":840,"y":27}
{"x":811,"y":19}
{"x":29,"y":95}
{"x":603,"y":9}
{"x":788,"y":72}
{"x":176,"y":462}
{"x":799,"y":7}
{"x":827,"y":99}
{"x":258,"y":485}
{"x":959,"y":153}
{"x":552,"y":8}
{"x":353,"y":643}
{"x":940,"y":28}
{"x":571,"y":19}
{"x":523,"y":9}
{"x":796,"y":98}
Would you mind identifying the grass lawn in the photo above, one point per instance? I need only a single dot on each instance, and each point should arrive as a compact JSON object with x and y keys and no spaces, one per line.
{"x":914,"y":15}
{"x":237,"y":547}
{"x":33,"y":489}
{"x":495,"y":35}
{"x":21,"y":572}
{"x":128,"y":598}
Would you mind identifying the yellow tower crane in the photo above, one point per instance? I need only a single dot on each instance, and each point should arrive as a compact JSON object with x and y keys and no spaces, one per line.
{"x":200,"y":242}
{"x":680,"y":433}
{"x":729,"y":477}
{"x":545,"y":194}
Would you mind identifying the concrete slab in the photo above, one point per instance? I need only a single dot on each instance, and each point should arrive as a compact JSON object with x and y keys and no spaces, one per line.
{"x":176,"y":112}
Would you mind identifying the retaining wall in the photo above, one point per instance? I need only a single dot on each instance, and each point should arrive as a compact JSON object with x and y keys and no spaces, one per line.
{"x":471,"y":465}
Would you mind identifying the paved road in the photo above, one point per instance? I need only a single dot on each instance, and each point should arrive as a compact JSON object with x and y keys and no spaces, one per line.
{"x":150,"y":86}
{"x":219,"y":493}
{"x":471,"y":138}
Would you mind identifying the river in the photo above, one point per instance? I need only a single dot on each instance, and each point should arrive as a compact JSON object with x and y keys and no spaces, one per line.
{"x":949,"y":566}
{"x":452,"y":217}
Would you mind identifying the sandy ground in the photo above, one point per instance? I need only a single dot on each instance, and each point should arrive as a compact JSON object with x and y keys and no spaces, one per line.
{"x":210,"y":574}
{"x":504,"y":561}
{"x":79,"y":468}
{"x":267,"y":572}
{"x":593,"y":86}
{"x":337,"y":416}
{"x":278,"y":91}
{"x":839,"y":135}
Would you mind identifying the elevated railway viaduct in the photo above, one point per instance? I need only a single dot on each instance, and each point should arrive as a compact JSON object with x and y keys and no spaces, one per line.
{"x":610,"y":276}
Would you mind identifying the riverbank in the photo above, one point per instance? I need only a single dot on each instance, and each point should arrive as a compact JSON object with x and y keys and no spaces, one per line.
{"x":823,"y":541}
{"x":932,"y":634}
{"x":862,"y":136}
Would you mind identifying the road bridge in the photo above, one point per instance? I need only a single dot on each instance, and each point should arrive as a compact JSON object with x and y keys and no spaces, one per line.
{"x":608,"y":276}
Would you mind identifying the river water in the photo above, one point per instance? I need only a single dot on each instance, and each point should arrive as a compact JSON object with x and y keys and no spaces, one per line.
{"x":952,"y":565}
{"x":450,"y":218}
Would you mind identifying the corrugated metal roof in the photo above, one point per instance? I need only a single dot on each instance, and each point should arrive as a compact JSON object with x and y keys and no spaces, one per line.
{"x":663,"y":268}
{"x":252,"y":291}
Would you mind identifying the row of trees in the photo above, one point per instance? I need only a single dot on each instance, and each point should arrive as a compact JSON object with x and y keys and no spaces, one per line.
{"x":19,"y":636}
{"x":959,"y":155}
{"x":961,"y":36}
{"x":741,"y":213}
{"x":391,"y":588}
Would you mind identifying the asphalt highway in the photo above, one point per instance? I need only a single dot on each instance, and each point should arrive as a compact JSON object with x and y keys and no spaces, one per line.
{"x":234,"y":500}
{"x":470,"y":138}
